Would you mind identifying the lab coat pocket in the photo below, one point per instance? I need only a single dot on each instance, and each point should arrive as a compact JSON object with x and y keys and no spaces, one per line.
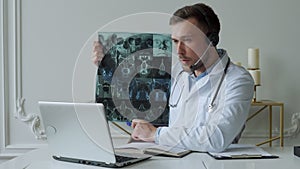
{"x":196,"y":109}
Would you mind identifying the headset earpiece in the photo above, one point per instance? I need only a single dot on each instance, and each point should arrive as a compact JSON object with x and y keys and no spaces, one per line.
{"x":213,"y":37}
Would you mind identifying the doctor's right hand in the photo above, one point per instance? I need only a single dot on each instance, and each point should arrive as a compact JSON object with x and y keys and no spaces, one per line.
{"x":143,"y":130}
{"x":98,"y":53}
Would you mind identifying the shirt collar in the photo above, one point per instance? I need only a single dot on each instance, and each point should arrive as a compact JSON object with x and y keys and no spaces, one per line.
{"x":221,"y":53}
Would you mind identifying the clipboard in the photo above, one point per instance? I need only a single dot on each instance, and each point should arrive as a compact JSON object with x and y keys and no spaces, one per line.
{"x":243,"y":156}
{"x":242,"y":151}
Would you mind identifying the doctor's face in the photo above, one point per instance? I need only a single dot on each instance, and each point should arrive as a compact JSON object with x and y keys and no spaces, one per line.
{"x":190,"y":42}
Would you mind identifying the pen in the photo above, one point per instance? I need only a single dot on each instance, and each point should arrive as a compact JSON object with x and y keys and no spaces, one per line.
{"x":121,"y":128}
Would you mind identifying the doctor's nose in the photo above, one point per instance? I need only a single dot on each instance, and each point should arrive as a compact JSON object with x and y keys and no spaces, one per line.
{"x":180,"y":48}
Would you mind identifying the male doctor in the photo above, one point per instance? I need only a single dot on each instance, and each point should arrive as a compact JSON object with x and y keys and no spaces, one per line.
{"x":210,"y":96}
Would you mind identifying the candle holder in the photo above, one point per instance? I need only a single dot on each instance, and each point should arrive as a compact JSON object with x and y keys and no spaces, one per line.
{"x":254,"y":97}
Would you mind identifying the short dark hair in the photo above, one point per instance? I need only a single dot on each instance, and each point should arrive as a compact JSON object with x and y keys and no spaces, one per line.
{"x":204,"y":15}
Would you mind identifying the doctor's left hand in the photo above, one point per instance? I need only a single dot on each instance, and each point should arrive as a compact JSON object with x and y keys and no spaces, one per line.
{"x":143,"y":130}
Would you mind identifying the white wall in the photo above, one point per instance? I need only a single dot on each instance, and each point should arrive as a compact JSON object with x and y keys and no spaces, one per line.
{"x":38,"y":62}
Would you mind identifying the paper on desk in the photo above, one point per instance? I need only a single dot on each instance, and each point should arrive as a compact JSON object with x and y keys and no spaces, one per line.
{"x":242,"y":149}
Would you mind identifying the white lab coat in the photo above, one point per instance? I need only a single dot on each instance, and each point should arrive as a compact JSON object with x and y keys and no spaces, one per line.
{"x":191,"y":125}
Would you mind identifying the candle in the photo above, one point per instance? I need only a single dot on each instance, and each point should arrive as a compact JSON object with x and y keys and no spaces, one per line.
{"x":253,"y":58}
{"x":256,"y":76}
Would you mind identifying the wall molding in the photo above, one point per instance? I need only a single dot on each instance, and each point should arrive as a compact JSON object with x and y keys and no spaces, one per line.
{"x":32,"y":119}
{"x":3,"y":38}
{"x":11,"y":35}
{"x":292,"y":132}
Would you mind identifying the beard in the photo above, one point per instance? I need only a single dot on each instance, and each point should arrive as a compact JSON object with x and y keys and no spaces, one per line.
{"x":186,"y":68}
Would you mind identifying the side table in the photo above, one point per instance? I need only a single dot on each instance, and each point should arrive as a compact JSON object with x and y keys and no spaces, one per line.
{"x":269,"y":104}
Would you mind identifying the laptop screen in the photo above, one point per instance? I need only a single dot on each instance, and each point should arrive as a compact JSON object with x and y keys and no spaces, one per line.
{"x":77,"y":130}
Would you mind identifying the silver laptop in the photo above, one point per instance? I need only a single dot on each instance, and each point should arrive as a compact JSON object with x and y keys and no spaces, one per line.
{"x":79,"y":133}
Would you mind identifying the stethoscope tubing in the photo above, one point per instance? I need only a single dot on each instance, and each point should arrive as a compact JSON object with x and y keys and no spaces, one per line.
{"x":211,"y":105}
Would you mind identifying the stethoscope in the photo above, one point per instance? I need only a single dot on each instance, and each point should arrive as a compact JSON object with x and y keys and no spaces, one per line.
{"x":211,"y":104}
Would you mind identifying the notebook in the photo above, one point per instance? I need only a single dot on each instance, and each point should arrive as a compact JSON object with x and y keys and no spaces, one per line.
{"x":153,"y":149}
{"x":79,"y":133}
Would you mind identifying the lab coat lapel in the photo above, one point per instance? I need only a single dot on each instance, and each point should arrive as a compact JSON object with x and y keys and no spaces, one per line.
{"x":212,"y":77}
{"x":197,"y":86}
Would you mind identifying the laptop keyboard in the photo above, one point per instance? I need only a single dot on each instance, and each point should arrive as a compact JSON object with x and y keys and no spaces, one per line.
{"x":120,"y":161}
{"x":123,"y":158}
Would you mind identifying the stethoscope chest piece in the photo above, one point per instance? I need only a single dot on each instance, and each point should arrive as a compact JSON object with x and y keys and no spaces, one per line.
{"x":210,"y":107}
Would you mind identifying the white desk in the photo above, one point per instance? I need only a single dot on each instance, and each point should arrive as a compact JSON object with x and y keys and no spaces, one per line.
{"x":40,"y":159}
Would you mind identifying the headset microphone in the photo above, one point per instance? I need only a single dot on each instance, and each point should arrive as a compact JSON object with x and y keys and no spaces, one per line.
{"x":198,"y":64}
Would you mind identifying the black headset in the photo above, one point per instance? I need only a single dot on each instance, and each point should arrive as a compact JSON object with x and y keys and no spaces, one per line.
{"x":211,"y":35}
